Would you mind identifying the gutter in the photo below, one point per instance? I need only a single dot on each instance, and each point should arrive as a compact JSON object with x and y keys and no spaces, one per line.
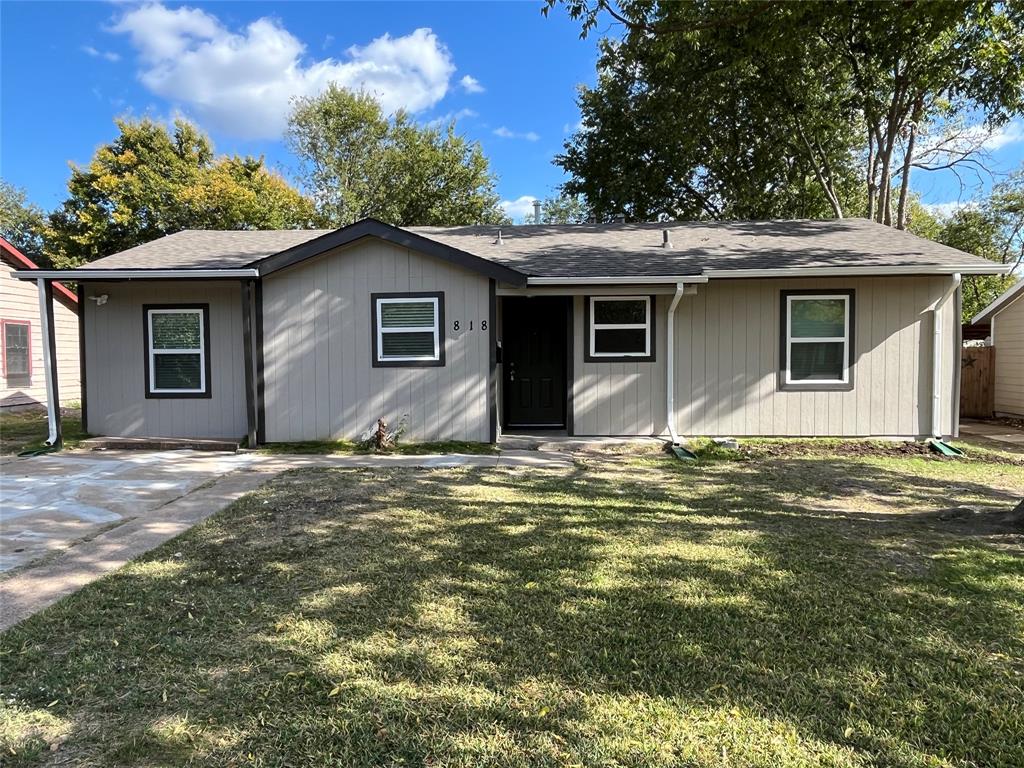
{"x":670,"y":362}
{"x":133,"y":274}
{"x":879,"y":271}
{"x":937,"y":357}
{"x":622,"y":280}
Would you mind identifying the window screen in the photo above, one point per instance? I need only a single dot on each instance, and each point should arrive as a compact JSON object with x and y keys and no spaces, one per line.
{"x":176,"y":349}
{"x":407,"y":329}
{"x":17,"y":353}
{"x":817,"y":346}
{"x":620,"y":326}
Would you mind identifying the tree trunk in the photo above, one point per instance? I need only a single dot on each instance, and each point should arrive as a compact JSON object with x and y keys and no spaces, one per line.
{"x":901,"y":216}
{"x":870,"y":172}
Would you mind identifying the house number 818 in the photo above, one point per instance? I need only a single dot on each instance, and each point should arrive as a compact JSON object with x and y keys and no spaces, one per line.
{"x":457,"y":327}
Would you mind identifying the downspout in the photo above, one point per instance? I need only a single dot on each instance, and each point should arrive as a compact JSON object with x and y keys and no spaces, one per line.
{"x":670,"y":361}
{"x":937,"y":357}
{"x":48,"y":355}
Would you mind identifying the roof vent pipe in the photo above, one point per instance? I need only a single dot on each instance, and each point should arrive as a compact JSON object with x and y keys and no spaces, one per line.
{"x":666,"y":242}
{"x":499,"y":241}
{"x":536,"y":212}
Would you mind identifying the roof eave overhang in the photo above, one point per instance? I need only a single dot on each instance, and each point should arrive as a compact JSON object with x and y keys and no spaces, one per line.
{"x":136,"y":274}
{"x":378,"y":229}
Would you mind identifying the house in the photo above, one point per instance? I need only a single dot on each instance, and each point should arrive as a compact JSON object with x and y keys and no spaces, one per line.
{"x":1005,"y":316}
{"x":21,"y":336}
{"x":842,"y":327}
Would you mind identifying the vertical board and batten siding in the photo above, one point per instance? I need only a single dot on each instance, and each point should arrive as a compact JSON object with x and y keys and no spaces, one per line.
{"x":727,"y":364}
{"x":319,"y":380}
{"x":617,"y":398}
{"x":115,"y":356}
{"x":1008,"y":340}
{"x":727,"y":361}
{"x":19,"y":301}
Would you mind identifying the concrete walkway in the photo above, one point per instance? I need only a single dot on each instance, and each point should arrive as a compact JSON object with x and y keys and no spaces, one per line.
{"x":67,"y":519}
{"x":992,"y":434}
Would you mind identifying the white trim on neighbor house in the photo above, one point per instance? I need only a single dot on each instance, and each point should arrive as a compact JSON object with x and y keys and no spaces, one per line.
{"x":152,"y":352}
{"x":381,"y":330}
{"x":596,"y":326}
{"x":1002,"y":301}
{"x":844,"y":339}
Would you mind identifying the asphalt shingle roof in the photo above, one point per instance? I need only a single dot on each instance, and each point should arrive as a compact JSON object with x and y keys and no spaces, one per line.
{"x":595,"y":250}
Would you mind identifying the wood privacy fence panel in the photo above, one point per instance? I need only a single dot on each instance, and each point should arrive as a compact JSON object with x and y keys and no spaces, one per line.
{"x":977,"y":382}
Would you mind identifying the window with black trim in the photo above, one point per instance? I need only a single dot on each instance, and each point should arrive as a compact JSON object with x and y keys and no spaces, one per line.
{"x":17,"y":348}
{"x":177,"y":350}
{"x":408,"y":329}
{"x":619,"y":328}
{"x":817,"y":340}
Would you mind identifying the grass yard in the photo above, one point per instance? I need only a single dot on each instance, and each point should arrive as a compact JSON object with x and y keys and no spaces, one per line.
{"x":24,"y":430}
{"x":764,"y":610}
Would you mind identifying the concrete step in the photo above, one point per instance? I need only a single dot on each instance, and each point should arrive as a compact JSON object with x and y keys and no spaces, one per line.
{"x":160,"y":444}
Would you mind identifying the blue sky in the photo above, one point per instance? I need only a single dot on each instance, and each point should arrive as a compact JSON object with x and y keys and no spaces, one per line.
{"x":508,"y":74}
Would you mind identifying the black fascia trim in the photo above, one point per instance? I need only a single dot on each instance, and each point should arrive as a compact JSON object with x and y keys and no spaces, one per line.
{"x":492,"y":364}
{"x":839,"y":386}
{"x":442,"y":334}
{"x":208,"y":392}
{"x":395,"y":235}
{"x":589,"y":358}
{"x":261,"y":386}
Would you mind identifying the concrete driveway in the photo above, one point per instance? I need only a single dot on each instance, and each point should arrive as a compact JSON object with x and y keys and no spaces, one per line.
{"x":49,"y":502}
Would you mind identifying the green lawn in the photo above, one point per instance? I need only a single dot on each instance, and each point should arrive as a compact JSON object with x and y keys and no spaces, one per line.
{"x":772,"y":610}
{"x":24,"y":430}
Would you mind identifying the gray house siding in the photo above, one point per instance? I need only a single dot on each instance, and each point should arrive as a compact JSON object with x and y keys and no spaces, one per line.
{"x":619,"y":398}
{"x":727,"y":365}
{"x":319,"y":381}
{"x":115,"y":356}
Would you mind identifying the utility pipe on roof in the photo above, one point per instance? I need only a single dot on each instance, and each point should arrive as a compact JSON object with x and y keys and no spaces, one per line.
{"x":670,"y":361}
{"x":937,"y":357}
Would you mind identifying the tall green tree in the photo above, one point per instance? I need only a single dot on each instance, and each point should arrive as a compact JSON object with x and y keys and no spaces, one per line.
{"x":22,"y":223}
{"x":561,"y":209}
{"x":151,"y":182}
{"x":730,"y":107}
{"x":358,"y":163}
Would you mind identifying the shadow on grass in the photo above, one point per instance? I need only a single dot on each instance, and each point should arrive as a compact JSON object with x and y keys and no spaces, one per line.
{"x":648,"y":615}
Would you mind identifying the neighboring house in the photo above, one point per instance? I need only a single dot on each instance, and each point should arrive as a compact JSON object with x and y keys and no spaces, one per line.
{"x":724,"y":328}
{"x":1006,"y":317}
{"x":21,"y":341}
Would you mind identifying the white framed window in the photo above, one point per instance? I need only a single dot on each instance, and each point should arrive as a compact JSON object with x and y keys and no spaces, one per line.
{"x":17,"y":349}
{"x":818,"y":339}
{"x":620,"y":328}
{"x":177,"y":350}
{"x":407,"y":329}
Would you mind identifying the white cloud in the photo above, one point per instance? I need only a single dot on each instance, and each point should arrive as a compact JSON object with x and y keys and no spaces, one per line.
{"x":518,"y":208}
{"x":1011,"y":133}
{"x":506,"y":133}
{"x":947,"y":209}
{"x":242,"y":82}
{"x":447,"y":117}
{"x":470,"y":84}
{"x":95,"y":53}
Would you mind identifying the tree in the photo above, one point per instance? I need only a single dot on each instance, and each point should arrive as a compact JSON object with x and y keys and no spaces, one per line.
{"x":358,"y":163}
{"x":151,"y":182}
{"x":561,"y":209}
{"x":839,"y":78}
{"x":22,"y":223}
{"x":992,"y":229}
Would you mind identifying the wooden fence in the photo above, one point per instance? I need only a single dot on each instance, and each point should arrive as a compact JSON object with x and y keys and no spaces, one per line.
{"x":977,"y":382}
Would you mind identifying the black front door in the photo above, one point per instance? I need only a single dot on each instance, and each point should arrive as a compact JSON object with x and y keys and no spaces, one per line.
{"x":534,"y":353}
